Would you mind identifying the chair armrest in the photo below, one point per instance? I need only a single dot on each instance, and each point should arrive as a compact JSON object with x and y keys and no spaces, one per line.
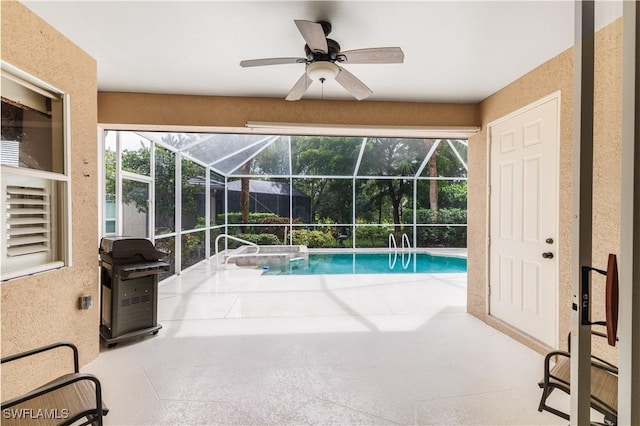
{"x":25,"y":354}
{"x":547,"y":364}
{"x":604,"y":365}
{"x":594,"y":333}
{"x":601,"y":363}
{"x":548,"y":356}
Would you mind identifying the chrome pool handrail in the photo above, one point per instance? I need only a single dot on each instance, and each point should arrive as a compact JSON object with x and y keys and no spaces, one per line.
{"x":227,"y":236}
{"x":406,"y":237}
{"x":392,"y":239}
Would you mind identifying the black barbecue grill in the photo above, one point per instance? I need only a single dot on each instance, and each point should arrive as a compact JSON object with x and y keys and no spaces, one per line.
{"x":129,"y":269}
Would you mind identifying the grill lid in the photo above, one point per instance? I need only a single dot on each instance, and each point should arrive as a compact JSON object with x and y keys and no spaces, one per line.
{"x":129,"y":249}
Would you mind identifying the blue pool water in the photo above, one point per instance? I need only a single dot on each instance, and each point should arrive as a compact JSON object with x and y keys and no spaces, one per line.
{"x":372,"y":263}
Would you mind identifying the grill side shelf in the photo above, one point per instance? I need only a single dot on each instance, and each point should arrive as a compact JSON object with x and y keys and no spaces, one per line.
{"x":136,"y":270}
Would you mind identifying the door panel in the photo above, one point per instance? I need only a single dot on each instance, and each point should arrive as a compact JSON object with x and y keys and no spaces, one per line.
{"x":523,"y":214}
{"x":507,"y":201}
{"x":531,"y":199}
{"x":531,"y":286}
{"x":506,"y":279}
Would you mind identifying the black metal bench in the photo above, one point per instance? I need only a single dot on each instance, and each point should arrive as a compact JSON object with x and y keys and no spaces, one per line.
{"x":64,"y":401}
{"x":604,"y":383}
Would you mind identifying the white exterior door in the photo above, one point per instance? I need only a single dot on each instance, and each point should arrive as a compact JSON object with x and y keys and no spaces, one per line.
{"x":523,"y":278}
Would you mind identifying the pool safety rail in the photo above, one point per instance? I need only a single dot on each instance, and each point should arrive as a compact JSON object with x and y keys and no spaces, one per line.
{"x":267,"y":256}
{"x":405,"y":245}
{"x":227,"y":237}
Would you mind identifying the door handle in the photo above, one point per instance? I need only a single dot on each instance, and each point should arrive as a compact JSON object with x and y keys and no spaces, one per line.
{"x":547,"y":255}
{"x":549,"y":241}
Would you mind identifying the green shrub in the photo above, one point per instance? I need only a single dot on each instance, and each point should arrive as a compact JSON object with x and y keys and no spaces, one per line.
{"x":260,"y":239}
{"x":279,"y":231}
{"x":373,"y":235}
{"x":453,"y":195}
{"x":236,"y":217}
{"x":439,"y":236}
{"x":312,"y":239}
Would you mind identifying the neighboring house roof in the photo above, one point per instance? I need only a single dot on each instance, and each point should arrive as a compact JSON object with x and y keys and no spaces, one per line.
{"x":266,"y":187}
{"x":255,"y":187}
{"x":199,"y":180}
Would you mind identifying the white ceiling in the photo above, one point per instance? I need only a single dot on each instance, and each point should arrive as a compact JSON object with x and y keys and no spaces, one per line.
{"x":455,"y":51}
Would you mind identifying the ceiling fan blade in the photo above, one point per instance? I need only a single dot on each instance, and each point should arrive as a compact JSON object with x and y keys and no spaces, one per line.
{"x":375,"y":55}
{"x":354,"y":86}
{"x":299,"y":88}
{"x":271,"y":61}
{"x":314,"y":35}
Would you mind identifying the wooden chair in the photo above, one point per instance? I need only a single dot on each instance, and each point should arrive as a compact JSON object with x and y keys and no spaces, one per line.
{"x":604,"y":383}
{"x":66,"y":400}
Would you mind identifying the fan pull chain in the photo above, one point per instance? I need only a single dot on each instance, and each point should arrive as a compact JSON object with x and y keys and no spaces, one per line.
{"x":322,"y":80}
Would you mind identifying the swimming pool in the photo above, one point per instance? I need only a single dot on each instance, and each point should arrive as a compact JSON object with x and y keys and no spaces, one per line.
{"x":372,"y":263}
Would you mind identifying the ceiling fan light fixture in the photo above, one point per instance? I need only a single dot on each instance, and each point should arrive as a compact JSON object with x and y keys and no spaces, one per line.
{"x":321,"y":54}
{"x":322,"y":70}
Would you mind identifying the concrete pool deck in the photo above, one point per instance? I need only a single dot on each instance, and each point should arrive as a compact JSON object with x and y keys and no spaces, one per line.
{"x":240,"y":348}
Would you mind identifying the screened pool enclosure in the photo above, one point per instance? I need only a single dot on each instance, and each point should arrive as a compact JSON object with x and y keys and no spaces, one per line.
{"x":182,"y":190}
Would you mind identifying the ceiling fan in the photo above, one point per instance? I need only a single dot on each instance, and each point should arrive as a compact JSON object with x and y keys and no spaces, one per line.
{"x":322,"y":56}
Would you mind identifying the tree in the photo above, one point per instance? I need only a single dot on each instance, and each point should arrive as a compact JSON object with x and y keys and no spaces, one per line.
{"x":134,"y":161}
{"x":444,"y":163}
{"x":165,"y":192}
{"x":433,"y":183}
{"x":245,"y":196}
{"x":398,"y":159}
{"x":331,"y":198}
{"x":272,"y":159}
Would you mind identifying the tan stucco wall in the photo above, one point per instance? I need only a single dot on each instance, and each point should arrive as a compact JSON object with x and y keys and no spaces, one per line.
{"x":43,"y":309}
{"x":556,"y":75}
{"x":212,"y":111}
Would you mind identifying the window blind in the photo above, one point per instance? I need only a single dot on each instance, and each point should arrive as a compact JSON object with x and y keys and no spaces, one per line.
{"x":28,"y":210}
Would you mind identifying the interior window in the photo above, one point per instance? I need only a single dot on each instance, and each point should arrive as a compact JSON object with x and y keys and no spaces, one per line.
{"x":35,"y":180}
